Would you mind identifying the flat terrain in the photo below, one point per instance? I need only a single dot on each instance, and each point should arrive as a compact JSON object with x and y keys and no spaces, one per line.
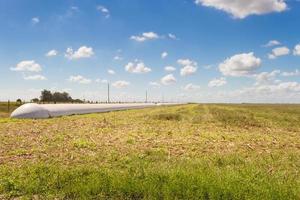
{"x":179,"y":152}
{"x":5,"y":110}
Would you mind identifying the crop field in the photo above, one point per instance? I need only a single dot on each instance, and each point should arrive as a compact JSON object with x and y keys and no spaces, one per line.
{"x":194,"y":151}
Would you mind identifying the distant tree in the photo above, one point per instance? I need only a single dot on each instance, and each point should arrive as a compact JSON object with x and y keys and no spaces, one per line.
{"x":19,"y":101}
{"x":46,"y":96}
{"x":61,"y":97}
{"x":77,"y":101}
{"x":35,"y":100}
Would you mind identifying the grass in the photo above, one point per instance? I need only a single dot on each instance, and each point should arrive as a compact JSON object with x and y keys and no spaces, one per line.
{"x":206,"y":151}
{"x":5,"y":110}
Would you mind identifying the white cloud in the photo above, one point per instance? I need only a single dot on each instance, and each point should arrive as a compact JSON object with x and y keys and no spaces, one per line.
{"x":276,"y":92}
{"x":289,"y":86}
{"x":164,"y":54}
{"x":35,"y":20}
{"x":188,"y":70}
{"x":191,"y":87}
{"x":137,"y":67}
{"x":170,"y":68}
{"x":27,"y":65}
{"x":188,"y":67}
{"x":79,"y":79}
{"x":240,"y":65}
{"x":186,"y":62}
{"x":35,"y":77}
{"x":172,"y":36}
{"x":277,"y":89}
{"x":118,"y":58}
{"x":82,"y":52}
{"x":265,"y":78}
{"x":151,"y":35}
{"x":104,"y":81}
{"x":154,"y":84}
{"x":51,"y":53}
{"x":120,"y":84}
{"x":104,"y":11}
{"x":75,"y":8}
{"x":272,"y":43}
{"x":217,"y":82}
{"x":145,"y":36}
{"x":279,"y":51}
{"x":110,"y":71}
{"x":297,"y":50}
{"x":294,"y":73}
{"x":243,"y":8}
{"x":168,"y":79}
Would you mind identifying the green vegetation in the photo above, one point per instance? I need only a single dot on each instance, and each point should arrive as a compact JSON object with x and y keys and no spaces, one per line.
{"x":179,"y":152}
{"x":5,"y":110}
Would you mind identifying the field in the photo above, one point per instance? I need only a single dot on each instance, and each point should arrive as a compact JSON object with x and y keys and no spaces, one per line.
{"x":5,"y":110}
{"x":195,"y":151}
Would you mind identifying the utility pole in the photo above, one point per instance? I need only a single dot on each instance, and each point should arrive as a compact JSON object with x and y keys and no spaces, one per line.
{"x":108,"y":100}
{"x":146,"y":96}
{"x":8,"y":106}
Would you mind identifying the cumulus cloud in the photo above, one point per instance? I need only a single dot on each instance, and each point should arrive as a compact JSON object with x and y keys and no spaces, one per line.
{"x":27,"y":65}
{"x":267,"y":88}
{"x":120,"y":84}
{"x":137,"y":67}
{"x":276,"y":92}
{"x":189,"y":67}
{"x":276,"y":89}
{"x":82,"y":52}
{"x":243,"y":8}
{"x":79,"y":79}
{"x":217,"y":82}
{"x":145,"y":36}
{"x":191,"y":87}
{"x":104,"y":81}
{"x":188,"y":70}
{"x":35,"y":20}
{"x":279,"y":51}
{"x":35,"y":77}
{"x":170,"y":68}
{"x":118,"y":58}
{"x":172,"y":36}
{"x":240,"y":65}
{"x":294,"y":73}
{"x":51,"y":53}
{"x":154,"y":84}
{"x":168,"y":79}
{"x":265,"y":78}
{"x":104,"y":11}
{"x":110,"y":71}
{"x":164,"y":54}
{"x":297,"y":50}
{"x":272,"y":43}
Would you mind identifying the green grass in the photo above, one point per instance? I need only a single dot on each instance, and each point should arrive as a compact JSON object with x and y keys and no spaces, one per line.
{"x":5,"y":110}
{"x":180,"y":152}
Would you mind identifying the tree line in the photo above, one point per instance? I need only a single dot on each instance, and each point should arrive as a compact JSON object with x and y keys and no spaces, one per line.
{"x":55,"y":97}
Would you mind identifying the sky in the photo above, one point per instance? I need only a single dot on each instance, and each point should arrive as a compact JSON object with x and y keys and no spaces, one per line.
{"x":176,"y":50}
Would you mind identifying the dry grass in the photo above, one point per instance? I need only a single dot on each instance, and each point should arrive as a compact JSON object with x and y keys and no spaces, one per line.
{"x":192,"y":148}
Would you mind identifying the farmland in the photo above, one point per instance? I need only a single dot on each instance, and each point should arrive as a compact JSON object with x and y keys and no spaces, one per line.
{"x":195,"y":151}
{"x":5,"y":110}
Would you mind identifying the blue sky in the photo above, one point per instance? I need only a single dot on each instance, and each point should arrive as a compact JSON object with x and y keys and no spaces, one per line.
{"x":214,"y":50}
